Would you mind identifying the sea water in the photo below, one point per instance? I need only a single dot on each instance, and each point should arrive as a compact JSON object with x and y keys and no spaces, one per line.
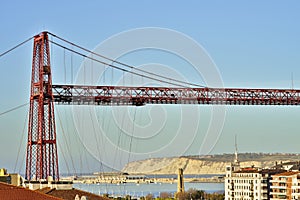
{"x":139,"y":190}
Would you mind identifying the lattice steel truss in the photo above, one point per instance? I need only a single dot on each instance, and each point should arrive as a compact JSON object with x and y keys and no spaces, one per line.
{"x":121,"y":95}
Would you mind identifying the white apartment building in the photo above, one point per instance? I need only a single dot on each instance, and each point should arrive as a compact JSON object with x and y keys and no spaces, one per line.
{"x":242,"y":183}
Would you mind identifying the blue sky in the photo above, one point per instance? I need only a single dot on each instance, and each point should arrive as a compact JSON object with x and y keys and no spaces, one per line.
{"x":253,"y":44}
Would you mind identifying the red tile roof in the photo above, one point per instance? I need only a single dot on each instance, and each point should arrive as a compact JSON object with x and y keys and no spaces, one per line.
{"x":71,"y":194}
{"x":247,"y":170}
{"x":10,"y":192}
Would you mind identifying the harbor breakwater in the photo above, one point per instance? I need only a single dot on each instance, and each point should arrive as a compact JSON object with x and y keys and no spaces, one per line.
{"x":117,"y":178}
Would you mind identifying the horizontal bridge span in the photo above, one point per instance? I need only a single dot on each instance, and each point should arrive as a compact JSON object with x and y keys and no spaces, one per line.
{"x":138,"y":96}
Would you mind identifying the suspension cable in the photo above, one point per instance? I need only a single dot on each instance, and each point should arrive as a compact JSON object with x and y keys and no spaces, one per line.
{"x":21,"y":144}
{"x":110,"y":65}
{"x":13,"y":109}
{"x":13,"y":48}
{"x":132,"y":135}
{"x":116,"y":67}
{"x":124,"y":64}
{"x":66,"y":142}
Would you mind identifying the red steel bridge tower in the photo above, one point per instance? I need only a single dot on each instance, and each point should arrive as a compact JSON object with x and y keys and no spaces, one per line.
{"x":41,"y":157}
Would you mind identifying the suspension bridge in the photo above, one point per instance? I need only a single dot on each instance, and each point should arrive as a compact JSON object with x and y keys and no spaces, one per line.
{"x":41,"y":156}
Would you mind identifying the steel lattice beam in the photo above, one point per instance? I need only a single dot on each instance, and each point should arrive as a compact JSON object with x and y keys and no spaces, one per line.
{"x":120,"y":95}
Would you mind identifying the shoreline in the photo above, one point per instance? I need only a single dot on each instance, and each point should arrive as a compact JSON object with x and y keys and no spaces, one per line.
{"x":146,"y":179}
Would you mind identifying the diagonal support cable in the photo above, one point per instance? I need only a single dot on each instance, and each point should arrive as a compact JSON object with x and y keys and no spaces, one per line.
{"x":15,"y":47}
{"x":126,"y":65}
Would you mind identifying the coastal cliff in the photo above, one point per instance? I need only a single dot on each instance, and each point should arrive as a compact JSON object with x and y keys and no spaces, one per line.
{"x":206,"y":165}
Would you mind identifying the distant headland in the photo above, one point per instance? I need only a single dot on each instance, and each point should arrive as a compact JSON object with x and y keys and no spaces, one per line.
{"x":209,"y":164}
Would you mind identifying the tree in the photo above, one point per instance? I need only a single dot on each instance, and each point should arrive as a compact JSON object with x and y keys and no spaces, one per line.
{"x":149,"y":197}
{"x":190,"y":194}
{"x":195,"y":194}
{"x":165,"y":195}
{"x":215,"y":196}
{"x":181,"y":196}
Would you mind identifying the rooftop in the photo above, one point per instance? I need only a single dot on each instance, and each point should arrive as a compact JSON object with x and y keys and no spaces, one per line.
{"x":10,"y":192}
{"x":248,"y":170}
{"x":71,"y":194}
{"x":287,"y":173}
{"x":260,"y":171}
{"x":272,"y":171}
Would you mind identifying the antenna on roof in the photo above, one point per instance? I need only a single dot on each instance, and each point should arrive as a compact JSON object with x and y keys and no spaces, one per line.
{"x":236,"y":160}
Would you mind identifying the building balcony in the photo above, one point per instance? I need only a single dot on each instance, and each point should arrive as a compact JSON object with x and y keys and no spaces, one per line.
{"x":278,"y":181}
{"x":278,"y":198}
{"x":278,"y":187}
{"x":278,"y":193}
